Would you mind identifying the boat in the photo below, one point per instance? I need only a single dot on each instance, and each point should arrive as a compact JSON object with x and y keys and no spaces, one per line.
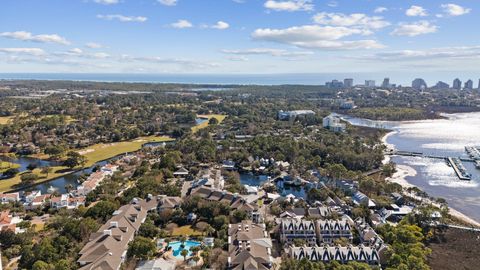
{"x":477,"y":164}
{"x":52,"y":189}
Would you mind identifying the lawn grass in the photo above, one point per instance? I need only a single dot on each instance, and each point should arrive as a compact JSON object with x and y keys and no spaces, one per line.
{"x":219,"y":117}
{"x":94,"y":154}
{"x":98,"y":152}
{"x":8,"y":165}
{"x":186,"y":230}
{"x":6,"y":119}
{"x":11,"y":183}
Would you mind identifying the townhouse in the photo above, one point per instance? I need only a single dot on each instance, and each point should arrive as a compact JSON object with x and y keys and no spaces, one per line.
{"x":342,"y":254}
{"x":301,"y":229}
{"x":249,"y":246}
{"x":330,"y":230}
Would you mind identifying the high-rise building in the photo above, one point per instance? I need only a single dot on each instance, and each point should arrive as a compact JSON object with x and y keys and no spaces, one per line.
{"x":468,"y":85}
{"x":419,"y":84}
{"x":348,"y":83}
{"x":369,"y":83}
{"x":457,"y":84}
{"x":386,"y":83}
{"x":335,"y":84}
{"x":441,"y":85}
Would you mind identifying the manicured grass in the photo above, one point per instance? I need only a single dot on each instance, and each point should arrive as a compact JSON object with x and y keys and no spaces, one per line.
{"x":93,"y":153}
{"x":219,"y":117}
{"x":6,"y":119}
{"x":68,"y":119}
{"x":10,"y":184}
{"x":8,"y":165}
{"x":102,"y":151}
{"x":186,"y":230}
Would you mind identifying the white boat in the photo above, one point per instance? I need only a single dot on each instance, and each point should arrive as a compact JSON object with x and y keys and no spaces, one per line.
{"x":52,"y":189}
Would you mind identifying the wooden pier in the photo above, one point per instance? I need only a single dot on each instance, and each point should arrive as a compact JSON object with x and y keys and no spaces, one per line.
{"x":455,"y":163}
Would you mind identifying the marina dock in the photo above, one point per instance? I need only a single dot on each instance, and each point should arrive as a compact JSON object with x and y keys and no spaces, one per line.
{"x":454,"y":162}
{"x":459,"y":169}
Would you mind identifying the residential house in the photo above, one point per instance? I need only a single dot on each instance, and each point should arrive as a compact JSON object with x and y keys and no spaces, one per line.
{"x":361,"y":199}
{"x":9,"y":222}
{"x":249,"y":246}
{"x":298,"y":212}
{"x":320,"y":212}
{"x":167,"y":202}
{"x":182,"y":172}
{"x":9,"y":197}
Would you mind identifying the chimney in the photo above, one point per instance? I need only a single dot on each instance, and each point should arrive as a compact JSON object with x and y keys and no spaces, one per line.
{"x":114,"y":224}
{"x":107,"y":232}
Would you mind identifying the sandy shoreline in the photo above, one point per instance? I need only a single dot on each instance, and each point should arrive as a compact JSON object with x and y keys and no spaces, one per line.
{"x":404,"y":171}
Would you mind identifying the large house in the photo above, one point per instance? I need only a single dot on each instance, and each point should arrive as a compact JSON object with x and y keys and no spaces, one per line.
{"x":330,"y":230}
{"x":341,"y":254}
{"x":166,"y":202}
{"x":9,"y":197}
{"x":235,"y":201}
{"x":9,"y":222}
{"x":107,"y":248}
{"x":301,"y":229}
{"x":288,"y":115}
{"x":332,"y":122}
{"x":249,"y":246}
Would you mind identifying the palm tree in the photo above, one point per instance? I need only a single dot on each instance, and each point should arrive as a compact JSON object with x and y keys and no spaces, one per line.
{"x":196,"y":259}
{"x":184,"y":254}
{"x":209,"y":230}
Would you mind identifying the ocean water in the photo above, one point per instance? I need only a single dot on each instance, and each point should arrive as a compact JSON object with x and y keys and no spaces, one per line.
{"x":445,"y":137}
{"x":226,"y":79}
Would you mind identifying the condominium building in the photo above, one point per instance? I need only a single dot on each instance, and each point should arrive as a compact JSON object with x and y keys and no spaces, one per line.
{"x":301,"y":229}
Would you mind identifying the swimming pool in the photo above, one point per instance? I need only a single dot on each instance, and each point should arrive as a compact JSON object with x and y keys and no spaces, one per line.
{"x":177,"y":247}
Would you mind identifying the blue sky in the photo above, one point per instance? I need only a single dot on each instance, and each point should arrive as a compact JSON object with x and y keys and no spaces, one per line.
{"x":429,"y":38}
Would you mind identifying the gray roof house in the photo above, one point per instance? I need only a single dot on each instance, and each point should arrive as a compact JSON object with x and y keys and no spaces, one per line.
{"x":249,"y":247}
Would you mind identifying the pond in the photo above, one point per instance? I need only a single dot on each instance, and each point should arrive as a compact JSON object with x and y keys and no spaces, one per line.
{"x":60,"y":183}
{"x":252,"y":179}
{"x":200,"y":121}
{"x":25,"y":161}
{"x":297,"y":191}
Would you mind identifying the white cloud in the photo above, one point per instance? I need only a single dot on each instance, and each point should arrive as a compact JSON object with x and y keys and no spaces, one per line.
{"x":180,"y":24}
{"x":168,"y":2}
{"x":27,"y":36}
{"x":356,"y":20}
{"x":467,"y":52}
{"x":29,"y":51}
{"x":414,"y":29}
{"x":107,"y":2}
{"x":122,"y":18}
{"x":332,"y":4}
{"x":221,"y":25}
{"x":292,"y":5}
{"x":416,"y":11}
{"x":380,"y":10}
{"x":93,"y":45}
{"x":316,"y":37}
{"x":268,"y":51}
{"x":455,"y":10}
{"x":76,"y":51}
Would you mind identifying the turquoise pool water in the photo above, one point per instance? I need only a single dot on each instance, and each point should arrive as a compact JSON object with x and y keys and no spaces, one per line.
{"x":177,"y":247}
